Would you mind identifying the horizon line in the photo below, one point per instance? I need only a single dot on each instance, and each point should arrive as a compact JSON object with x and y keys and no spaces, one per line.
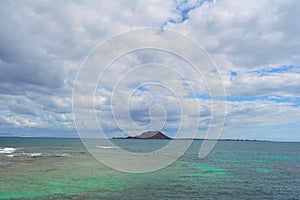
{"x":220,"y":139}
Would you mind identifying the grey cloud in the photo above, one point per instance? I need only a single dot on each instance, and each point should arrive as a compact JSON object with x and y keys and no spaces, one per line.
{"x":54,"y":104}
{"x":249,"y":35}
{"x":19,"y":108}
{"x":19,"y":74}
{"x":43,"y":43}
{"x":251,"y":84}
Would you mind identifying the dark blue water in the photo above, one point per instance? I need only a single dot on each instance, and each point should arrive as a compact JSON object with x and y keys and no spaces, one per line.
{"x":41,"y":168}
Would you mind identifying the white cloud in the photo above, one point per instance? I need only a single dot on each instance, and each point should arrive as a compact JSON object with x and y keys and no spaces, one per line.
{"x":248,"y":34}
{"x":43,"y":43}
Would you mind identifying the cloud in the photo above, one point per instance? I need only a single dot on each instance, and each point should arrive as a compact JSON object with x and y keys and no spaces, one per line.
{"x":266,"y":82}
{"x":255,"y":47}
{"x":248,"y":35}
{"x":181,"y":12}
{"x":262,"y":119}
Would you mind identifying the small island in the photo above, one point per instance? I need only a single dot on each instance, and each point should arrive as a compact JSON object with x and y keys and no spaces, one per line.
{"x":157,"y":135}
{"x":153,"y":135}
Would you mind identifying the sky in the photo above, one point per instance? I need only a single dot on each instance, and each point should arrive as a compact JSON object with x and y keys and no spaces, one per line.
{"x":255,"y":46}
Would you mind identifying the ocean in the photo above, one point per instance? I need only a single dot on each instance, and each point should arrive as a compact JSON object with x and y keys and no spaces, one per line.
{"x":51,"y":168}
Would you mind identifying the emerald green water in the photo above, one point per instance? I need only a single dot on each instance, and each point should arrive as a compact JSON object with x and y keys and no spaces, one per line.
{"x":41,"y":168}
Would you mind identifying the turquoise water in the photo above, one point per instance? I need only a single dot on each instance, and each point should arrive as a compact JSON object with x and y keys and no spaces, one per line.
{"x":40,"y":168}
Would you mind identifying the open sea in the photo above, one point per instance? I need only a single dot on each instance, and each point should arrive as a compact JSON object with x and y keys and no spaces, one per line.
{"x":48,"y":168}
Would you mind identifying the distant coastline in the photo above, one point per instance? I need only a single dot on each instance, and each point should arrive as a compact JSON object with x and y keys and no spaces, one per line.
{"x":157,"y":135}
{"x":223,"y":139}
{"x":201,"y":139}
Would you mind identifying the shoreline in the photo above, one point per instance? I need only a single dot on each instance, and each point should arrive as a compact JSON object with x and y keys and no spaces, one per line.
{"x":124,"y":138}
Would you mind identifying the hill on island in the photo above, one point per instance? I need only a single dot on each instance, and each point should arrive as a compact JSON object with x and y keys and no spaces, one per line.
{"x":157,"y":135}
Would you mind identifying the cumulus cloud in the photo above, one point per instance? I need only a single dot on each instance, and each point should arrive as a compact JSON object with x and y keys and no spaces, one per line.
{"x":255,"y":47}
{"x":249,"y":35}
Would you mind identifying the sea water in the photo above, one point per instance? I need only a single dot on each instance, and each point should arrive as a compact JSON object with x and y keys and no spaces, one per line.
{"x":48,"y":168}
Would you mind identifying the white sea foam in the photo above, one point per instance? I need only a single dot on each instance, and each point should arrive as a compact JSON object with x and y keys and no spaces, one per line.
{"x":23,"y":154}
{"x":33,"y":155}
{"x":7,"y":150}
{"x":62,"y":155}
{"x":30,"y":155}
{"x":107,"y":147}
